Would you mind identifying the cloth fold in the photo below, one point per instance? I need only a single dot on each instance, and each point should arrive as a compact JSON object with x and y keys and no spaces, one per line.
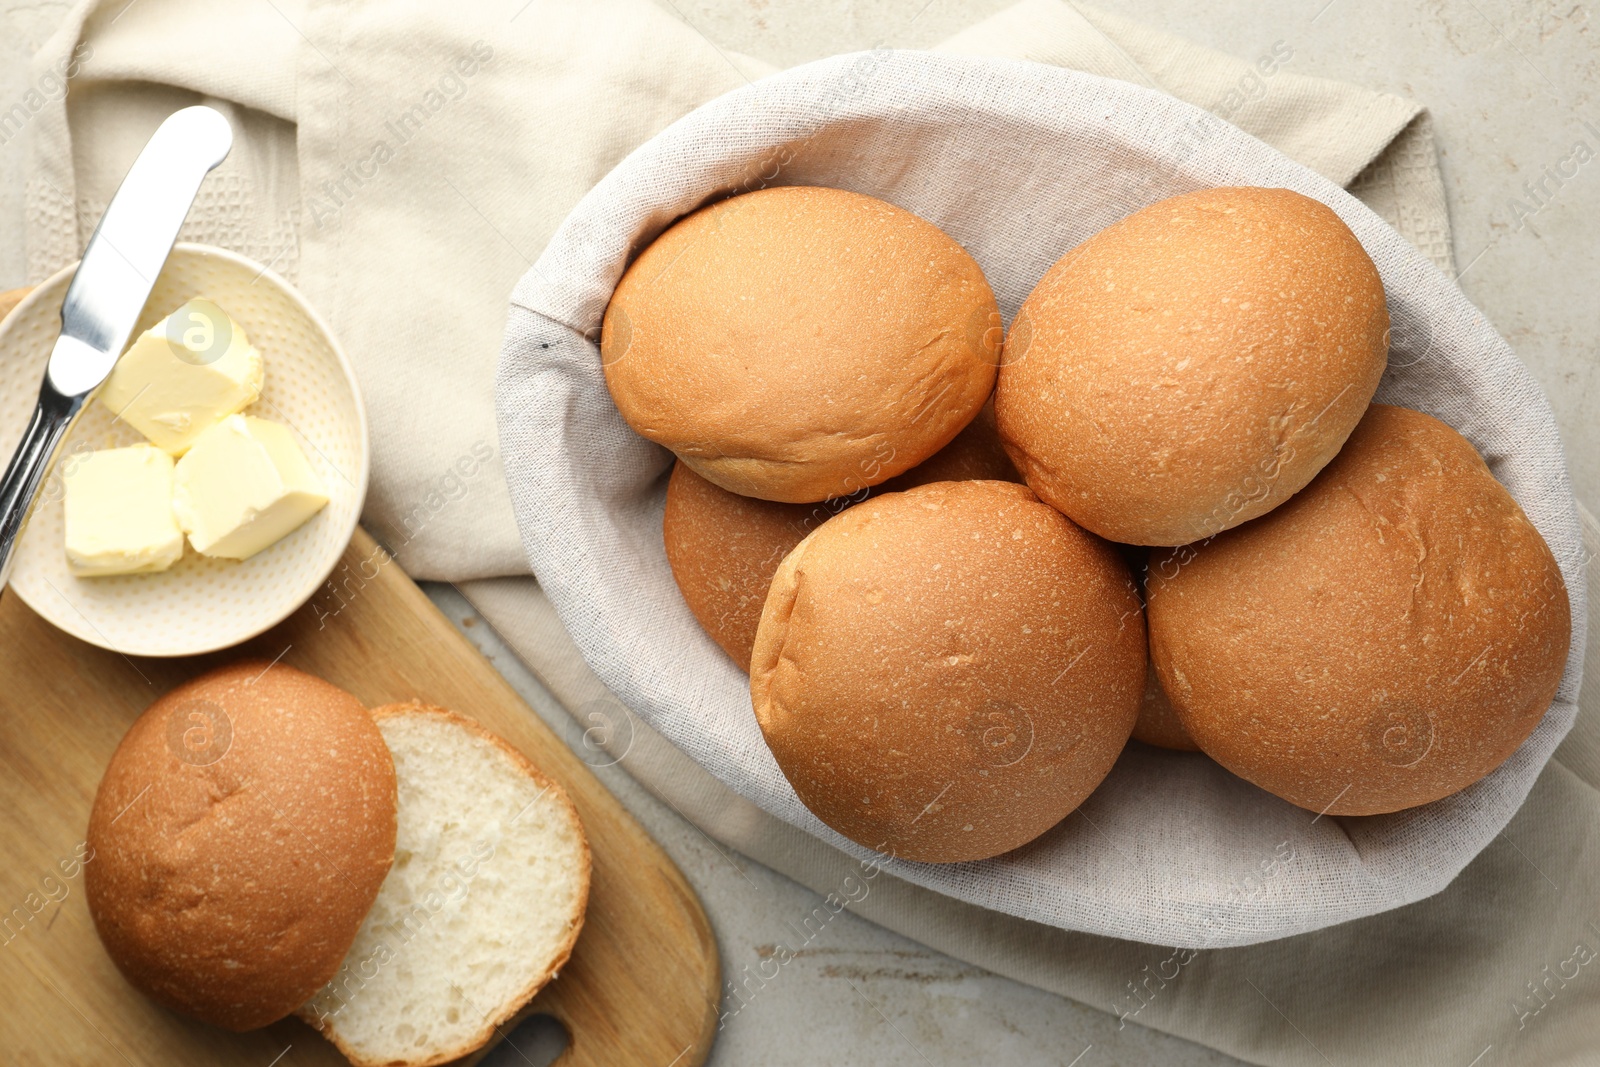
{"x":1314,"y":121}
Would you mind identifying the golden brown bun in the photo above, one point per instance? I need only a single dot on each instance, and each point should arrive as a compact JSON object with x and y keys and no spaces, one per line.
{"x":1194,"y":365}
{"x":239,"y":835}
{"x":1384,"y":639}
{"x":724,"y":548}
{"x":944,"y":674}
{"x":1158,"y":723}
{"x":976,"y":455}
{"x":798,"y":344}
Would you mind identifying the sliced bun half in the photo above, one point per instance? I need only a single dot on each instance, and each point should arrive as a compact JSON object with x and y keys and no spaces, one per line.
{"x":483,"y":906}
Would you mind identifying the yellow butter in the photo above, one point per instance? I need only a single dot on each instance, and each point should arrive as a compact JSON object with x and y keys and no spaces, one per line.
{"x":184,"y":375}
{"x":117,"y":510}
{"x":242,"y":486}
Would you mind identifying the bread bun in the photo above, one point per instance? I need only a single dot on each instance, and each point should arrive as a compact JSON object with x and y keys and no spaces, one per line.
{"x":944,"y":674}
{"x":1194,"y":365}
{"x":1158,"y":723}
{"x":724,"y":548}
{"x":1384,"y":639}
{"x":239,"y":836}
{"x":798,"y":344}
{"x":976,"y":455}
{"x":481,"y":912}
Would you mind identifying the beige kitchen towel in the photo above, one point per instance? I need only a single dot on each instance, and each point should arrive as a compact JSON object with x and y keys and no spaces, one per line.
{"x":439,"y":145}
{"x":414,"y":193}
{"x":1311,"y":120}
{"x":442,"y":144}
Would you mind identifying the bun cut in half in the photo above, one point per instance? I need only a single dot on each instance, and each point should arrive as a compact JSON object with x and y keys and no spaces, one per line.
{"x":1194,"y":365}
{"x":1384,"y":639}
{"x":944,"y":674}
{"x":240,"y":834}
{"x":800,"y":343}
{"x":488,"y":894}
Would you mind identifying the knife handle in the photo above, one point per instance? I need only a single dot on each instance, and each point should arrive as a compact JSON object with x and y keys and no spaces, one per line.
{"x":19,"y":486}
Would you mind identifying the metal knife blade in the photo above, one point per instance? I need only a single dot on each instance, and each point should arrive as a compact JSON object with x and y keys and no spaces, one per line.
{"x":107,"y":293}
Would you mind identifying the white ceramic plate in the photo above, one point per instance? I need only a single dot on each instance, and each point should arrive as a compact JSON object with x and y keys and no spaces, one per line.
{"x":200,"y":604}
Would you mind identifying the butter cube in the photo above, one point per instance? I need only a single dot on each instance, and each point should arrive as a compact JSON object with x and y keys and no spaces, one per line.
{"x":242,"y":486}
{"x":117,"y":507}
{"x":184,"y":375}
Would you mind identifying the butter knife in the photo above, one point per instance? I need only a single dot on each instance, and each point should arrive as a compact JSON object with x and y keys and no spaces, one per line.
{"x":112,"y":283}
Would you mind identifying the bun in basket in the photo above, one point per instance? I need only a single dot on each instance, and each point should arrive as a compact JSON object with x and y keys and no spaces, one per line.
{"x":1386,"y":638}
{"x":724,"y":548}
{"x":944,"y":674}
{"x":976,"y":455}
{"x":1194,"y":365}
{"x":487,"y":895}
{"x":798,"y":344}
{"x":1158,"y":723}
{"x":239,"y":836}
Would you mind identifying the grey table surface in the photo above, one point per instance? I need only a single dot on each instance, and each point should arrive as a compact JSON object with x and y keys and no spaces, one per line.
{"x":1511,"y":85}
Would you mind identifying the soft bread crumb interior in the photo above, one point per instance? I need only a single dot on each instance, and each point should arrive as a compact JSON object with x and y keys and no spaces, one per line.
{"x":489,"y":879}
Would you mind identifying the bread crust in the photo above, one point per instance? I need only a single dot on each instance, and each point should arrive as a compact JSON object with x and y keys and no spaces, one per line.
{"x":976,"y":455}
{"x":946,"y":673}
{"x":241,"y":833}
{"x":510,"y":1008}
{"x":724,"y":548}
{"x":1194,"y":365}
{"x":1386,"y":638}
{"x":1158,"y":723}
{"x":800,"y":343}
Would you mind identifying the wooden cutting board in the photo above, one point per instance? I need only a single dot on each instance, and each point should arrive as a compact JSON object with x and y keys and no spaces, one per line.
{"x":642,"y":986}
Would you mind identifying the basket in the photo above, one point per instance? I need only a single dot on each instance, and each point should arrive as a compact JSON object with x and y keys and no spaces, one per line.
{"x":1019,"y":162}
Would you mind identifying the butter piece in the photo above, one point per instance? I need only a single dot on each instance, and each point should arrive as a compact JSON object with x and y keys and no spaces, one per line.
{"x":242,"y":486}
{"x":118,"y":512}
{"x":184,"y":375}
